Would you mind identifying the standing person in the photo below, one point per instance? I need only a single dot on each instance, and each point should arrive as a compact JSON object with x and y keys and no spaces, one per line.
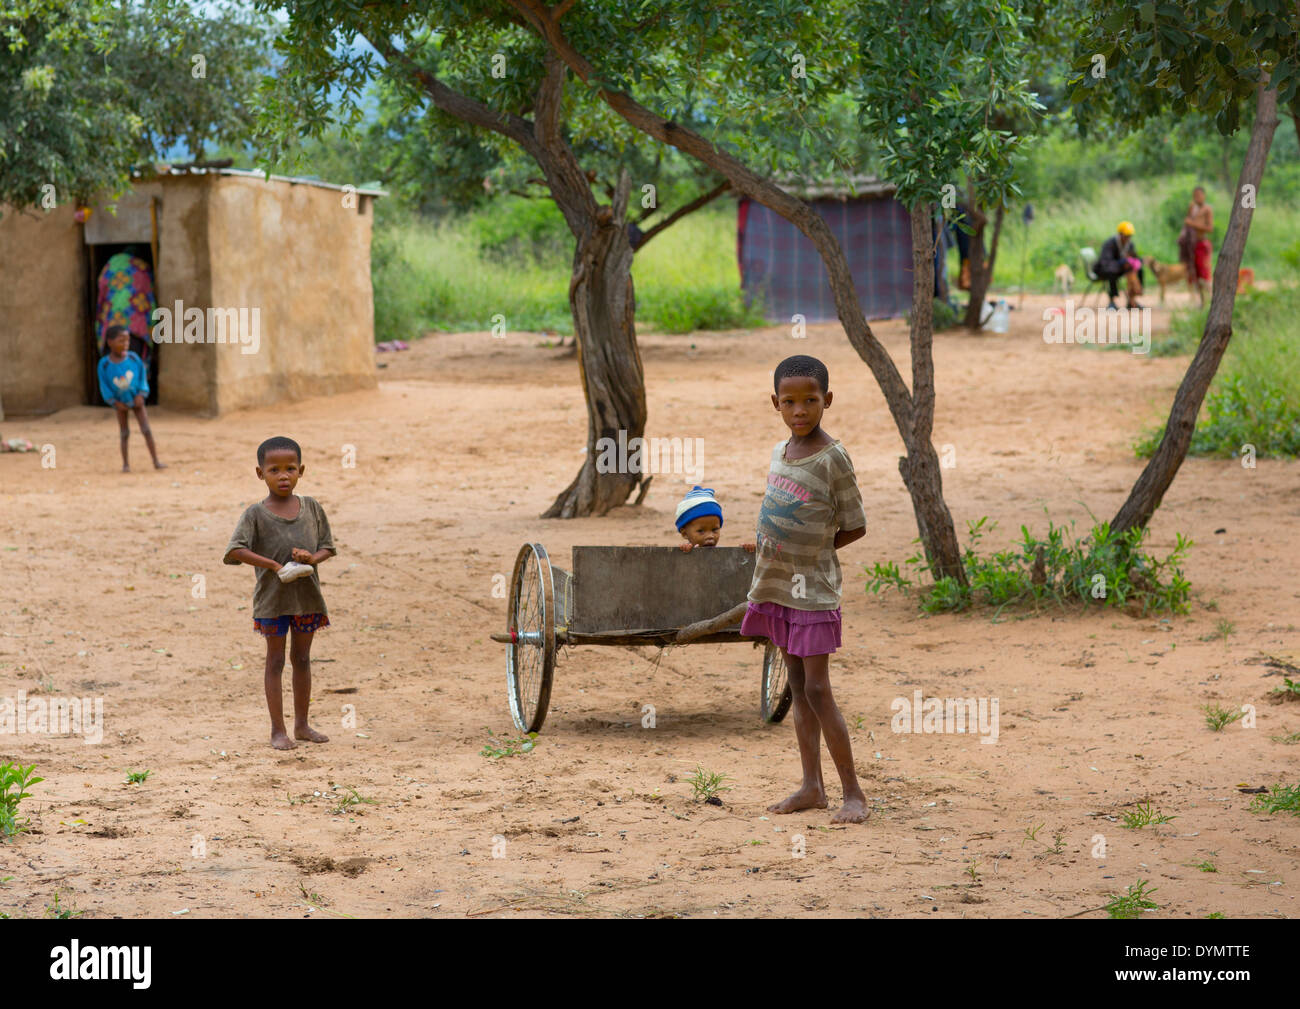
{"x":1119,"y":258}
{"x":124,"y":384}
{"x":1199,"y":222}
{"x":812,"y":508}
{"x":285,"y":536}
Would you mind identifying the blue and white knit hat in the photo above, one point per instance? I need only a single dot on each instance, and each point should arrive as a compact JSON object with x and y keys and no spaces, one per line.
{"x":699,"y":501}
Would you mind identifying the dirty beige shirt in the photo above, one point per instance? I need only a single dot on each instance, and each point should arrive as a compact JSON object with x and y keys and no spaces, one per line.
{"x":807,"y":501}
{"x":265,"y":533}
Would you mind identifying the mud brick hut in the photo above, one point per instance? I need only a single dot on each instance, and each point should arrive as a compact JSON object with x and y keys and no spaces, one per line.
{"x":780,"y":266}
{"x":221,"y":242}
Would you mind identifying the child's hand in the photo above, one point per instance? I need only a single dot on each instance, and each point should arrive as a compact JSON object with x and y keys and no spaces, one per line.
{"x":301,"y":556}
{"x":686,"y":547}
{"x":750,"y":547}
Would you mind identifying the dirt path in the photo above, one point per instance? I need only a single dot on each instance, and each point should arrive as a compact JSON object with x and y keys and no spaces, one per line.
{"x":466,"y":441}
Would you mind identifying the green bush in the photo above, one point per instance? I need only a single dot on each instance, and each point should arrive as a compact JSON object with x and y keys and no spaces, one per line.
{"x":14,"y":782}
{"x":1103,"y":568}
{"x":515,"y":229}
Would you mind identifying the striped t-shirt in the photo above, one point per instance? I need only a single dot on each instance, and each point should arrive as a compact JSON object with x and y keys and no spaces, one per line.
{"x":807,"y":501}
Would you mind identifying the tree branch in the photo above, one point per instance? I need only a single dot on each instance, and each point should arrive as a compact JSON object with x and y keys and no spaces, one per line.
{"x":462,"y":107}
{"x":681,"y":212}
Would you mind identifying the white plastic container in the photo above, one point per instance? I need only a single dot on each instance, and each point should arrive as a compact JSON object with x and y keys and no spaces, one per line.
{"x":1000,"y":320}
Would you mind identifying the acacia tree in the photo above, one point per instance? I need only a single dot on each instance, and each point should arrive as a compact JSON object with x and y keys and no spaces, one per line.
{"x":473,"y":65}
{"x":1192,"y":56}
{"x":89,"y":87}
{"x":917,"y":73}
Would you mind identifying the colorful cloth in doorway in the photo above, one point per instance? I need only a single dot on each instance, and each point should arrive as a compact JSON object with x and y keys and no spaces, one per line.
{"x":125,"y":298}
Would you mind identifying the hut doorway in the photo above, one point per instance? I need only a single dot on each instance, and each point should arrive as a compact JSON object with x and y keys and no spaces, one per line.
{"x":97,"y":263}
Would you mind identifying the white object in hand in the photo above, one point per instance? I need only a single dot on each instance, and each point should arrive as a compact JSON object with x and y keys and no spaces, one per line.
{"x":293,"y":571}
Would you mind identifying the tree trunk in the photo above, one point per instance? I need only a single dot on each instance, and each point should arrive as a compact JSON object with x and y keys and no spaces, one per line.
{"x":935,"y":525}
{"x":609,"y":361}
{"x":920,"y":467}
{"x":1147,"y":493}
{"x":600,"y":290}
{"x":981,"y":266}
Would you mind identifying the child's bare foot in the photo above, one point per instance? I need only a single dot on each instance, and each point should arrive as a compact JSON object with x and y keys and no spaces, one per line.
{"x":853,"y":811}
{"x":308,"y":733}
{"x":126,"y":468}
{"x":281,"y":741}
{"x":159,"y":465}
{"x":805,"y":798}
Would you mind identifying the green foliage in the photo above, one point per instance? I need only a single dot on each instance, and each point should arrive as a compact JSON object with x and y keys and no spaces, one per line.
{"x":516,"y":229}
{"x":971,"y":55}
{"x":1289,"y":691}
{"x":14,"y":782}
{"x":1282,"y":799}
{"x":137,"y":777}
{"x":433,"y":276}
{"x":1143,"y":816}
{"x":1182,"y":55}
{"x":89,"y":87}
{"x":496,"y":748}
{"x":1100,"y":568}
{"x":1218,"y":717}
{"x":1133,"y":903}
{"x":706,"y":784}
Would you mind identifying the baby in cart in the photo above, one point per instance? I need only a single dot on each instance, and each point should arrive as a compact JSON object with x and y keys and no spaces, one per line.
{"x":699,"y":520}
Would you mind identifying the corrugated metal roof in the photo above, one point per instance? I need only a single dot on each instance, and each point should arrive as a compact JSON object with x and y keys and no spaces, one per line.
{"x":843,"y":187}
{"x":244,"y":173}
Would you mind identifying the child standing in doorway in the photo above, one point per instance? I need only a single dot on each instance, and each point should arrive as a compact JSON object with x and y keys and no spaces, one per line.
{"x":124,"y":384}
{"x":812,"y":508}
{"x":285,"y":536}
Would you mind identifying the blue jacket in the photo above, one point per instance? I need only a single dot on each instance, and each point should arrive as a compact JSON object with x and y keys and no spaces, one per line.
{"x":121,"y":381}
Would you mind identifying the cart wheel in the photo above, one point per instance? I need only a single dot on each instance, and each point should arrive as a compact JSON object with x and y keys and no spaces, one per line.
{"x":530,"y":657}
{"x":775,"y":699}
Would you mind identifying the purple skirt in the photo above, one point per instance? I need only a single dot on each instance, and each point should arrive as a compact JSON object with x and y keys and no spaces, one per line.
{"x":797,"y":632}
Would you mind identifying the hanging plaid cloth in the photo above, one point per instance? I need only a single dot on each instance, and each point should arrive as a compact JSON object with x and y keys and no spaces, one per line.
{"x":125,"y":298}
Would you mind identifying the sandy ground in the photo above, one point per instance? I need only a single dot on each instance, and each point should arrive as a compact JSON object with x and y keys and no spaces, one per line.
{"x":467,"y":440}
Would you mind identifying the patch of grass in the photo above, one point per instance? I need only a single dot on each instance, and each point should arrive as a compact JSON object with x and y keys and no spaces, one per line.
{"x":1103,"y":568}
{"x":1143,"y":816}
{"x":514,"y":259}
{"x":1282,"y":799}
{"x":1215,"y":914}
{"x":14,"y":782}
{"x":137,"y":777}
{"x":1133,"y":903}
{"x":496,"y":748}
{"x":1289,"y":691}
{"x":60,"y":911}
{"x":1289,"y":738}
{"x":706,"y":785}
{"x":1206,"y":866}
{"x":1218,"y":717}
{"x":312,"y":897}
{"x":1255,"y":397}
{"x":1058,"y":839}
{"x":348,"y":799}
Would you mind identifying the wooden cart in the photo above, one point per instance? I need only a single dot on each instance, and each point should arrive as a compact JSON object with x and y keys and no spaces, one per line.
{"x":625,"y":596}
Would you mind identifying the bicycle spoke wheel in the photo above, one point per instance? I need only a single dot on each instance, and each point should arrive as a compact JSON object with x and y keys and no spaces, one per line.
{"x":530,"y":656}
